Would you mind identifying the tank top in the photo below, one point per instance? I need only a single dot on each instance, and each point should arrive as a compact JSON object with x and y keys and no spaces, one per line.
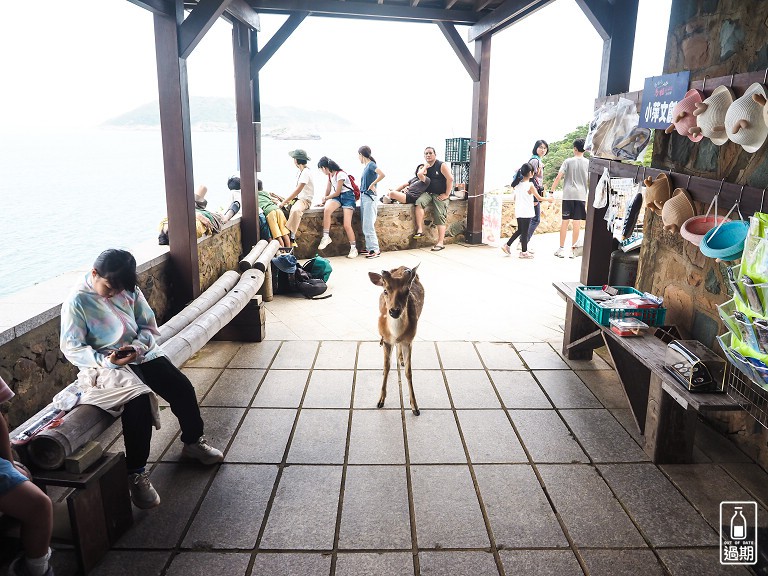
{"x":436,"y":179}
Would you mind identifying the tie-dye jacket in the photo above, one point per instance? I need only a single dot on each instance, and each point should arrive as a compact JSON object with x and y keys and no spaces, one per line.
{"x":92,"y":326}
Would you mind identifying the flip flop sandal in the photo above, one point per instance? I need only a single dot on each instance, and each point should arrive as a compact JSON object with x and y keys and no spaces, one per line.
{"x":437,"y":248}
{"x":419,"y":235}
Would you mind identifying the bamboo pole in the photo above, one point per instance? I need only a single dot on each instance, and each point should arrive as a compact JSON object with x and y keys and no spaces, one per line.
{"x":265,"y":259}
{"x":249,"y":259}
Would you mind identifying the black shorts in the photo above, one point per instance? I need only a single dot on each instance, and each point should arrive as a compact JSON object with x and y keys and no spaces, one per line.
{"x":574,"y":210}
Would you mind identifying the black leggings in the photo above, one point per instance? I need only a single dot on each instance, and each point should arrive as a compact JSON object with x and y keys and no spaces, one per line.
{"x":168,"y":382}
{"x":521,"y":232}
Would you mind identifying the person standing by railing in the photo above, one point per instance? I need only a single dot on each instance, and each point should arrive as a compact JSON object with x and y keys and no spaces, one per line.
{"x":371,"y":176}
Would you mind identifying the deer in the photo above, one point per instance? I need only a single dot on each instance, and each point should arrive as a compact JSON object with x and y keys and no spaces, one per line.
{"x":400,"y":306}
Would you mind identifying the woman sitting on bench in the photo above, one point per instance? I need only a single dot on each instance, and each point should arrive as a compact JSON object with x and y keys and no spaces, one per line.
{"x":24,"y":501}
{"x":107,"y":324}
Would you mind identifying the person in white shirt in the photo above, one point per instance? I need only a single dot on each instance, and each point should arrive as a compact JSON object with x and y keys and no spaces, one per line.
{"x":525,"y":192}
{"x":575,"y":170}
{"x":304,"y":192}
{"x":338,"y":194}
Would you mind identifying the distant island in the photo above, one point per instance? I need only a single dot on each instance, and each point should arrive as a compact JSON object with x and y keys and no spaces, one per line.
{"x":213,"y":114}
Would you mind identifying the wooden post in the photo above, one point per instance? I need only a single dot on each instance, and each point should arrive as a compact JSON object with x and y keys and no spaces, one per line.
{"x":177,"y":155}
{"x":479,"y":133}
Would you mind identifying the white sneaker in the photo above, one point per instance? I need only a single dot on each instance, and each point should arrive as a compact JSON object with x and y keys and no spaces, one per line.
{"x":577,"y":251}
{"x":560,"y":252}
{"x":505,"y":249}
{"x":386,"y":199}
{"x":202,"y":452}
{"x":352,"y":252}
{"x":324,"y":242}
{"x":143,"y":494}
{"x":527,"y":255}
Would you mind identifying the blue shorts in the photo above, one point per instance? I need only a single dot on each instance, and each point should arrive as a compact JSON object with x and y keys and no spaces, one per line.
{"x":347,"y":200}
{"x":9,"y":477}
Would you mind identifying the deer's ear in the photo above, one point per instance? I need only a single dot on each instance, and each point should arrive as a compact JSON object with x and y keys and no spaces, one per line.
{"x":375,"y":278}
{"x":413,"y":271}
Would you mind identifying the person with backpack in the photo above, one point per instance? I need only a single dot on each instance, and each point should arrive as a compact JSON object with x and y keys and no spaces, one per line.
{"x":540,"y":149}
{"x":525,"y":195}
{"x":372,"y":175}
{"x":339,"y":193}
{"x":438,"y":191}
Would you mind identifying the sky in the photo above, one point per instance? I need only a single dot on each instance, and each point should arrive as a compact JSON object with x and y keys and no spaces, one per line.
{"x":395,"y":76}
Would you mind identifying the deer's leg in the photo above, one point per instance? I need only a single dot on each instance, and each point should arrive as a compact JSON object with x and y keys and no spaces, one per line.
{"x":400,"y":354}
{"x":387,"y":360}
{"x":405,"y":348}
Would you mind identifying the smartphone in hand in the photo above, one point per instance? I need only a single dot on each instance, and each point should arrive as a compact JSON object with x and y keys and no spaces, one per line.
{"x":123,"y":353}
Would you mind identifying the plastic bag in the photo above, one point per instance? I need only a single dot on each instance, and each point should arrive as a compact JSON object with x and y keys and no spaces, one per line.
{"x":613,"y":132}
{"x":602,"y":190}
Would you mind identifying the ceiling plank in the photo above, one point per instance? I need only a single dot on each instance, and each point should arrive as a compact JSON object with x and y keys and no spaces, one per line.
{"x":197,"y":23}
{"x":156,"y":6}
{"x":241,"y":11}
{"x":262,"y":56}
{"x":508,"y":13}
{"x":364,"y":10}
{"x":598,"y":12}
{"x":461,"y":50}
{"x":450,"y":3}
{"x":481,"y":5}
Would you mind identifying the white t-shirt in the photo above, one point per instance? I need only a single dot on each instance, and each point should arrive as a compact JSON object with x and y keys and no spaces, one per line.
{"x":340,"y":175}
{"x":524,"y":200}
{"x":576,"y":178}
{"x":308,"y":192}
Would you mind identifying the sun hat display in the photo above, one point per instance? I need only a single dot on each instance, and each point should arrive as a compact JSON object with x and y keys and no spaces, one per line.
{"x":744,"y":120}
{"x":694,"y":228}
{"x":683,"y":119}
{"x":299,"y":154}
{"x":710,"y":115}
{"x":657,"y":192}
{"x":677,"y":210}
{"x":726,"y":240}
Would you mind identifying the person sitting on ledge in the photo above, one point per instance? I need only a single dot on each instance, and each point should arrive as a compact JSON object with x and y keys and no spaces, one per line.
{"x":409,"y":192}
{"x":107,"y":325}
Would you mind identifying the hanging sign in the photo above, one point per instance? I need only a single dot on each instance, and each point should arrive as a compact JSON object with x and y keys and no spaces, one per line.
{"x":660,"y":95}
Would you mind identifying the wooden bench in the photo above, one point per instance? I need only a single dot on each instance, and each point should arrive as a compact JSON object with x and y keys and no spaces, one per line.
{"x":665,"y":411}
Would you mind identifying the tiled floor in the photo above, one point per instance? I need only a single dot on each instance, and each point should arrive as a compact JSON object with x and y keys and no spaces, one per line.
{"x":520,"y":463}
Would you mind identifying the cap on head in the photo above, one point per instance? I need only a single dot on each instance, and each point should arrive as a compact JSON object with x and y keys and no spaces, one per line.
{"x":299,"y":154}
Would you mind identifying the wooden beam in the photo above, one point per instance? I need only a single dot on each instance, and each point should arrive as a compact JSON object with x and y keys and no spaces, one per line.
{"x":241,"y":11}
{"x":261,"y":57}
{"x":461,"y":50}
{"x":479,"y":135}
{"x":618,"y":49}
{"x":450,"y":3}
{"x":177,"y":156}
{"x":198,"y":22}
{"x":364,"y":10}
{"x":156,"y":6}
{"x":598,"y":12}
{"x":481,"y":5}
{"x":505,"y":15}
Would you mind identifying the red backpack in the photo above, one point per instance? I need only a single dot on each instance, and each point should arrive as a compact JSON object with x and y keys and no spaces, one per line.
{"x":353,"y":185}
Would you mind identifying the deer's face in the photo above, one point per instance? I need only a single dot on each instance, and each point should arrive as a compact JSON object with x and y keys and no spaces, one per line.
{"x":397,"y":287}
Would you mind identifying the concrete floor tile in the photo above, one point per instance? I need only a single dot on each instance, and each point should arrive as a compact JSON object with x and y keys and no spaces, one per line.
{"x":471,"y":389}
{"x":368,"y":389}
{"x":717,"y":447}
{"x":596,"y":363}
{"x":329,"y":389}
{"x":662,"y":513}
{"x":277,"y":332}
{"x":233,"y":509}
{"x":370,"y":356}
{"x":320,"y":437}
{"x":682,"y":562}
{"x":303,"y":515}
{"x":752,"y":477}
{"x":540,"y":356}
{"x":519,"y":389}
{"x":376,"y":437}
{"x":557,"y":445}
{"x":202,"y":379}
{"x":262,"y":437}
{"x":518,"y":510}
{"x":288,"y":564}
{"x":336,"y":355}
{"x":540,"y":563}
{"x":129,"y":563}
{"x":626,"y":418}
{"x":458,"y":563}
{"x":622,"y":563}
{"x":375,"y":513}
{"x":459,"y":525}
{"x":430,"y":390}
{"x":281,"y":389}
{"x":214,"y":355}
{"x":605,"y":385}
{"x":489,"y":437}
{"x":566,"y":390}
{"x":205,"y":563}
{"x":433,"y":438}
{"x":591,"y":514}
{"x":255,"y":355}
{"x":459,"y":356}
{"x":180,"y":488}
{"x":424,"y":356}
{"x":220,"y":425}
{"x":235,"y":387}
{"x":295,"y":355}
{"x":374,"y":564}
{"x":602,"y":436}
{"x":499,"y":356}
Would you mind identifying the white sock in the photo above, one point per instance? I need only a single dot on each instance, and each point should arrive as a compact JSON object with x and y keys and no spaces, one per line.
{"x":38,"y":566}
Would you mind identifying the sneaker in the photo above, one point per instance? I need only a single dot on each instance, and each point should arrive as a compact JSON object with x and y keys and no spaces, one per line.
{"x":202,"y":452}
{"x":352,"y":252}
{"x":324,"y":242}
{"x":386,"y":199}
{"x":19,"y":568}
{"x":372,"y":254}
{"x":527,"y":255}
{"x":294,"y":244}
{"x":143,"y":494}
{"x":505,"y":249}
{"x":577,"y":251}
{"x":560,"y":252}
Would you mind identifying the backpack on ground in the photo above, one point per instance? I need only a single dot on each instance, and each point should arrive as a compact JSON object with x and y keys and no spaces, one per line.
{"x":288,"y":277}
{"x":319,"y":268}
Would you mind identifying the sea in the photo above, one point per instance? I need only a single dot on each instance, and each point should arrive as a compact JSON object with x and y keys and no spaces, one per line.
{"x":69,"y":194}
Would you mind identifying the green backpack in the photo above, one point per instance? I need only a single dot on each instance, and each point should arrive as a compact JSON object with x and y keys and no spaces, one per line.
{"x":318,"y":267}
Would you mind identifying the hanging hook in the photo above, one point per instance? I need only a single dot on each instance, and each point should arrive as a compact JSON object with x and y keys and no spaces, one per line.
{"x":765,"y":78}
{"x":704,"y":82}
{"x":741,"y":194}
{"x":762,"y":199}
{"x":688,"y":185}
{"x":637,"y":173}
{"x":643,"y":173}
{"x":731,"y":85}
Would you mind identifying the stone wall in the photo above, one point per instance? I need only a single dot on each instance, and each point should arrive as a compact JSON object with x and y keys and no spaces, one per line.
{"x":710,"y":38}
